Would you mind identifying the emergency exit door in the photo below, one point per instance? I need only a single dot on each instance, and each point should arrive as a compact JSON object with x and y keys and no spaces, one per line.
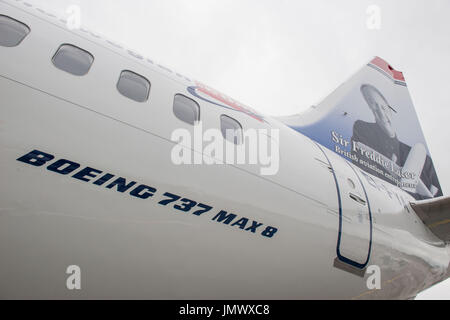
{"x":355,"y":220}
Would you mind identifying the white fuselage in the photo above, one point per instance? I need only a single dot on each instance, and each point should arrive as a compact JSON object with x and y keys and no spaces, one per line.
{"x":129,"y":247}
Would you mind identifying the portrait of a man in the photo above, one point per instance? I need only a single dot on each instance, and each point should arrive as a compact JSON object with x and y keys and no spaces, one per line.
{"x":388,"y":155}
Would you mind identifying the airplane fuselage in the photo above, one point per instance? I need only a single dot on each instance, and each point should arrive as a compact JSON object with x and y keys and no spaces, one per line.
{"x":87,"y":180}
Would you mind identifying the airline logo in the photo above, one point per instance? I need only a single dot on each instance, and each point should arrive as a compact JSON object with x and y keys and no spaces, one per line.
{"x":213,"y":96}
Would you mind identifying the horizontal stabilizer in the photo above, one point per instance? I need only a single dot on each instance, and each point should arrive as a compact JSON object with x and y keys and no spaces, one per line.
{"x":435,"y":214}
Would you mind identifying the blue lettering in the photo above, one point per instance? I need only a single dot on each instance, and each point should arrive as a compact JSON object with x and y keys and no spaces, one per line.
{"x":223,"y":216}
{"x":86,"y":173}
{"x":63,"y":166}
{"x":36,"y":158}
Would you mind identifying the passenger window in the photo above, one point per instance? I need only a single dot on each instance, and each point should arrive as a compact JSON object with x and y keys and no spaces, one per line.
{"x":133,"y":86}
{"x":12,"y":32}
{"x":186,"y":109}
{"x":231,"y":129}
{"x":73,"y":60}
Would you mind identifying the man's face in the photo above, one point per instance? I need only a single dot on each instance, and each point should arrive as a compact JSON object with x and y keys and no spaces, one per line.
{"x":382,"y":112}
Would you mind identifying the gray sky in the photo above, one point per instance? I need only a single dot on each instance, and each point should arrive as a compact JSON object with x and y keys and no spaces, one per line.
{"x":281,"y":56}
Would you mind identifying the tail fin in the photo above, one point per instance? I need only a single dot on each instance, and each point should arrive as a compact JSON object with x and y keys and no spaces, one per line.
{"x":371,"y":121}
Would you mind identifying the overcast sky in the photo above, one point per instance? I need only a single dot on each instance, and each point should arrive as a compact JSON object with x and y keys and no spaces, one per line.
{"x":281,"y":56}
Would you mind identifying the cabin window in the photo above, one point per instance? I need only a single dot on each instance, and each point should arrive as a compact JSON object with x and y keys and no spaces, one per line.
{"x":186,"y":109}
{"x":133,"y":86}
{"x":73,"y":60}
{"x":231,"y":129}
{"x":12,"y":32}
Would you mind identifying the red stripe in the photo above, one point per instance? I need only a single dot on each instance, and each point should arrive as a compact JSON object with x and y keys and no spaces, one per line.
{"x":227,"y":101}
{"x":386,"y":67}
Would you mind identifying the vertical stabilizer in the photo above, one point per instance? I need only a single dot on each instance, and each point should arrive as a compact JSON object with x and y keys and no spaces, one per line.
{"x":371,"y":121}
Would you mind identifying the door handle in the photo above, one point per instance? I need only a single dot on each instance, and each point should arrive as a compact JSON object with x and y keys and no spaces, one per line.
{"x":357,"y":199}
